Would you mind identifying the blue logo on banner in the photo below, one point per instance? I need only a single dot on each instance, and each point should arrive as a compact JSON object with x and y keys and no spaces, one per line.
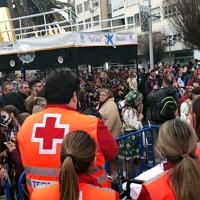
{"x":109,"y":39}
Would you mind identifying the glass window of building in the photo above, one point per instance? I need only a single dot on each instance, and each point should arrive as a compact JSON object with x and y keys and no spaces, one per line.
{"x":95,"y":4}
{"x":89,"y":24}
{"x":80,"y":26}
{"x":96,"y":18}
{"x":79,"y":9}
{"x":155,"y":13}
{"x":87,"y":5}
{"x":137,"y":19}
{"x":131,"y":2}
{"x":130,"y":21}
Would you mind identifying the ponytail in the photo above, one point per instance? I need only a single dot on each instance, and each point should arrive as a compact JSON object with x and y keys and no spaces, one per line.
{"x":185,"y":178}
{"x":77,"y":154}
{"x":68,"y":181}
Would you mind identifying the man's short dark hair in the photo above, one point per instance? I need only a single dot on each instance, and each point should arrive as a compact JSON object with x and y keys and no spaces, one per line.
{"x":33,"y":82}
{"x":196,"y":91}
{"x":60,"y":87}
{"x":143,"y":69}
{"x":197,"y":81}
{"x":153,"y":70}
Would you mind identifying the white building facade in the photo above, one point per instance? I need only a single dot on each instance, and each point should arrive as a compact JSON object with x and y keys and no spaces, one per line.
{"x":126,"y":13}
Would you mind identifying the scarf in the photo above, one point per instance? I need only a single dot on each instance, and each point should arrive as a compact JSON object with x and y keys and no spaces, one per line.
{"x":102,"y":103}
{"x":86,"y":178}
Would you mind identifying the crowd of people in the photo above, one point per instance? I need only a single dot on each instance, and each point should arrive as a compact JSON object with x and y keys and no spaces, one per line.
{"x":62,"y":132}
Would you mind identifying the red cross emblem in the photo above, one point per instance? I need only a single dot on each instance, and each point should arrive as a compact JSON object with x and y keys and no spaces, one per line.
{"x":49,"y":133}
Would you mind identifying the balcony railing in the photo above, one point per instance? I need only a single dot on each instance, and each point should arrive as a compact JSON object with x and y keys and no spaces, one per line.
{"x":27,"y":31}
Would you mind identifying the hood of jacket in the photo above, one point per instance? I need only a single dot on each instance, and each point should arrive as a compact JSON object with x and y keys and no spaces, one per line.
{"x":40,"y":101}
{"x":169,"y":90}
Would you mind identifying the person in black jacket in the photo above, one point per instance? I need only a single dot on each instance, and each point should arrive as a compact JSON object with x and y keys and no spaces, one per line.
{"x":23,"y":89}
{"x":157,"y":95}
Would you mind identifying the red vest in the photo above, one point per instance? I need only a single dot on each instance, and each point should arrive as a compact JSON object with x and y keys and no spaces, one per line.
{"x":40,"y":139}
{"x":198,"y":150}
{"x":158,"y":187}
{"x":87,"y":192}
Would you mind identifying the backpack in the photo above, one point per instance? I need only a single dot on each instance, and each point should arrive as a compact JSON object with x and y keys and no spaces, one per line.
{"x":168,"y":107}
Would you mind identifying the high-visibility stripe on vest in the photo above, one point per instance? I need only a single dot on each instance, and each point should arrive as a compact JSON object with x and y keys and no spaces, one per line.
{"x":40,"y":139}
{"x":160,"y":181}
{"x":86,"y":192}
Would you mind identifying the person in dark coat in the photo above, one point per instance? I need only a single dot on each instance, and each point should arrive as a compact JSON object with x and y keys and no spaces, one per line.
{"x":15,"y":99}
{"x":23,"y":89}
{"x":151,"y":82}
{"x":157,"y":95}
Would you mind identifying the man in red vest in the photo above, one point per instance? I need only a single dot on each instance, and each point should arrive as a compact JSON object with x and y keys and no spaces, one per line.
{"x":41,"y":135}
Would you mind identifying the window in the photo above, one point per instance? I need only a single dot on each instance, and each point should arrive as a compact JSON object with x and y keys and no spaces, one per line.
{"x":87,"y":5}
{"x":117,"y":4}
{"x":96,"y":4}
{"x":155,"y":13}
{"x":89,"y":24}
{"x":79,"y":9}
{"x":130,"y":21}
{"x":131,"y":2}
{"x":96,"y":18}
{"x":137,"y":19}
{"x":80,"y":26}
{"x":178,"y":38}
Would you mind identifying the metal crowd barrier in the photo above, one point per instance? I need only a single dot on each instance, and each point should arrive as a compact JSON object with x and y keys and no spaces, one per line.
{"x":143,"y":141}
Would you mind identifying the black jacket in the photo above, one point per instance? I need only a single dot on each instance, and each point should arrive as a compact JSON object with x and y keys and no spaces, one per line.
{"x":155,"y":98}
{"x":23,"y":96}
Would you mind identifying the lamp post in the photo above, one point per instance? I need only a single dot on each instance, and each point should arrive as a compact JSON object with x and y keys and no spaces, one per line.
{"x":170,"y":41}
{"x":150,"y":37}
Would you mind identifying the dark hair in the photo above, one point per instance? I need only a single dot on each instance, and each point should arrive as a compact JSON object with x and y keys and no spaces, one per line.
{"x":197,"y":81}
{"x":91,"y":111}
{"x":169,"y":79}
{"x":16,"y":100}
{"x":153,"y":70}
{"x":60,"y":87}
{"x":41,"y":93}
{"x":21,"y":117}
{"x":83,"y":98}
{"x":11,"y":109}
{"x":76,"y":156}
{"x":33,"y":82}
{"x":196,"y":91}
{"x":143,"y":69}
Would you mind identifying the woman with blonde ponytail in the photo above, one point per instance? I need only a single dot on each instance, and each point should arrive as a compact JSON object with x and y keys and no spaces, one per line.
{"x":77,"y":155}
{"x":177,"y":141}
